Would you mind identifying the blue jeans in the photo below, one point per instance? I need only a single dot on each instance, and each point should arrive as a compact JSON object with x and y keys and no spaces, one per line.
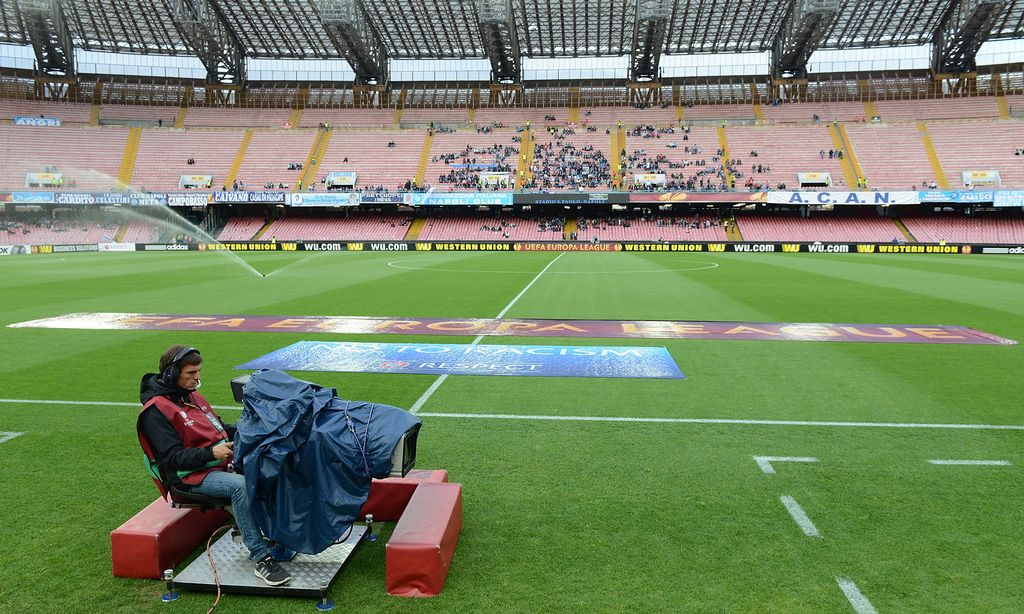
{"x":232,"y":485}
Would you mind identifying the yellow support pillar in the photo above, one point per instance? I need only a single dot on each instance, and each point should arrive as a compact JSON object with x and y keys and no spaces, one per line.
{"x":131,"y":153}
{"x":421,"y":169}
{"x":723,"y":143}
{"x":239,"y":158}
{"x":933,"y":156}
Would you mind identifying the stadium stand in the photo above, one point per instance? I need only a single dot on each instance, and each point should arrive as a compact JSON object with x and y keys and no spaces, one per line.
{"x":250,"y":118}
{"x":141,"y":232}
{"x":163,"y":156}
{"x":370,"y":227}
{"x":791,"y":227}
{"x":653,"y":153}
{"x":68,"y":112}
{"x":240,"y":228}
{"x":519,"y":116}
{"x":956,"y":228}
{"x":650,"y":228}
{"x":605,"y":116}
{"x":268,"y":155}
{"x":948,"y":108}
{"x":891,"y":156}
{"x":347,"y":118}
{"x":490,"y":228}
{"x":786,"y":151}
{"x":367,"y":152}
{"x":69,"y":150}
{"x":979,"y":146}
{"x":718,"y":112}
{"x":786,"y":112}
{"x":456,"y":148}
{"x":570,"y":160}
{"x":155,"y":114}
{"x":438,"y":117}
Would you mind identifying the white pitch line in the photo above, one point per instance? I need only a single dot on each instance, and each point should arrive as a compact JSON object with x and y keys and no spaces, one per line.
{"x":6,"y":436}
{"x":440,"y":380}
{"x":860,"y":603}
{"x":799,"y":516}
{"x":738,"y":422}
{"x":1000,"y":463}
{"x":765,"y":462}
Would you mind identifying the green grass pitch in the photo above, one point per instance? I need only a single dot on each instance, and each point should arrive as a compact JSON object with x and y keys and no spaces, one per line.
{"x":566,"y":515}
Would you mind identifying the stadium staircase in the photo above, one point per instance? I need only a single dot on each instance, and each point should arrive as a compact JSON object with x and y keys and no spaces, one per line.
{"x":571,"y":226}
{"x":618,"y":143}
{"x":97,"y":96}
{"x":474,"y":104}
{"x":723,"y":143}
{"x":131,"y":153}
{"x":733,"y":232}
{"x":239,"y":157}
{"x":758,"y":112}
{"x":122,"y":230}
{"x":574,"y":105}
{"x":315,"y":157}
{"x":903,"y":229}
{"x":527,"y":150}
{"x":870,"y":109}
{"x":933,"y":156}
{"x":850,"y":156}
{"x":421,"y":169}
{"x":396,"y":121}
{"x":295,"y":117}
{"x":186,"y":95}
{"x":837,"y":142}
{"x":263,"y":229}
{"x":415,"y":228}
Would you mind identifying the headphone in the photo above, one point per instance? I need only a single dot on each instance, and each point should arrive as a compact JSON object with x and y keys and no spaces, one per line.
{"x":172,"y":371}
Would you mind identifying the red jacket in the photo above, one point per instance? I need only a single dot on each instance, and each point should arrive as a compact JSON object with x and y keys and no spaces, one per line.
{"x":196,"y":426}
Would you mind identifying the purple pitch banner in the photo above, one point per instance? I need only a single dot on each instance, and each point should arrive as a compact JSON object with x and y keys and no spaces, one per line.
{"x":453,"y":359}
{"x":613,"y":329}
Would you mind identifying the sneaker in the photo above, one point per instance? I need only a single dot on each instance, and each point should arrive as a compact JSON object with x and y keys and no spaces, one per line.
{"x":271,"y":572}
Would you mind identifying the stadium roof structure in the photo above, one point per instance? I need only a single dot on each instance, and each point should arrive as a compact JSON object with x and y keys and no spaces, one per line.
{"x":367,"y":33}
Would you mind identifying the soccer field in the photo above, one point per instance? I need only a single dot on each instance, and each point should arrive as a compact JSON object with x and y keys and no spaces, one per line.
{"x":580,"y":494}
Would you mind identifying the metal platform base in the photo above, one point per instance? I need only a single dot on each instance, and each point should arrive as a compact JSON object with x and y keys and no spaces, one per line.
{"x":311,"y":573}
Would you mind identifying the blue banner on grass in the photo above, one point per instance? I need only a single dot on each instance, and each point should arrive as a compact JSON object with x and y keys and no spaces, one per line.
{"x":452,"y":359}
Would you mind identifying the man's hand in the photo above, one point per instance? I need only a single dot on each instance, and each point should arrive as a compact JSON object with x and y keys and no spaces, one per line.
{"x":223,"y":451}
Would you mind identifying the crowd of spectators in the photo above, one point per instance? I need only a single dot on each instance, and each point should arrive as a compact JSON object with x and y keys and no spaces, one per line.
{"x":561,"y":165}
{"x":466,"y":165}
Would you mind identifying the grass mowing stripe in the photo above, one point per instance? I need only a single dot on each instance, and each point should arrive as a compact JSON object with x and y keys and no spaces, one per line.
{"x":857,"y":599}
{"x":527,"y":417}
{"x":440,"y":380}
{"x":800,"y":516}
{"x":997,"y":463}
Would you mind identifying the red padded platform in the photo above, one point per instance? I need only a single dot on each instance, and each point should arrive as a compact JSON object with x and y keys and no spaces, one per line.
{"x":421,"y":548}
{"x":388,"y":497}
{"x":159,"y":537}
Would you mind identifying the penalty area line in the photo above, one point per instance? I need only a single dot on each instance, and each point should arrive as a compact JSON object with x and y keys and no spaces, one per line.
{"x":799,"y":516}
{"x":527,"y":417}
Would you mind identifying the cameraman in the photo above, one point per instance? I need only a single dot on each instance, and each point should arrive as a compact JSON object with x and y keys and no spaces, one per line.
{"x":193,"y":448}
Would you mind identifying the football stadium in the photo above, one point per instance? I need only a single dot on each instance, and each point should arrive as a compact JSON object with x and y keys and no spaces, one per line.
{"x":512,"y":306}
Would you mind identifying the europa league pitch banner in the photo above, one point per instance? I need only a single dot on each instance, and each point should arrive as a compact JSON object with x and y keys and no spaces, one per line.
{"x":452,"y":359}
